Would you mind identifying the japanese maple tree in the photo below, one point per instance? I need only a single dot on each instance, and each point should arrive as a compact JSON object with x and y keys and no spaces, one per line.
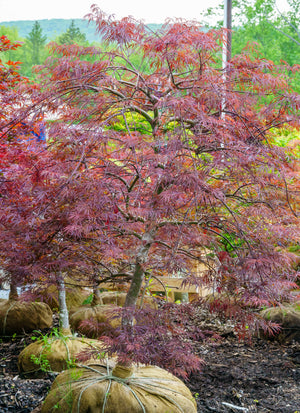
{"x":11,"y":153}
{"x":168,"y":164}
{"x":33,"y":206}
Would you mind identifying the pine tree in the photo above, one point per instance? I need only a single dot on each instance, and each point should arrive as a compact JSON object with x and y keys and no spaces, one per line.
{"x":36,"y":42}
{"x":72,"y":35}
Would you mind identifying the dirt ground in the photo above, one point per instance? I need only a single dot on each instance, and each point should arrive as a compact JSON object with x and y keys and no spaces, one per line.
{"x":237,"y":377}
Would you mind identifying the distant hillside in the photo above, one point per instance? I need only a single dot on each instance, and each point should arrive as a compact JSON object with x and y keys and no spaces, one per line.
{"x":54,"y":27}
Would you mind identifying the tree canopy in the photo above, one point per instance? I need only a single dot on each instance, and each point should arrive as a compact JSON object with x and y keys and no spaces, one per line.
{"x":155,"y":166}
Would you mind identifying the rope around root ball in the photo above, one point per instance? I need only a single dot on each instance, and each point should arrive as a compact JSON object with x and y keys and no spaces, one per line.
{"x":145,"y":383}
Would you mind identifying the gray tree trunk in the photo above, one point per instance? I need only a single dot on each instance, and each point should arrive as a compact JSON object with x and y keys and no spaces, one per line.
{"x":64,"y":324}
{"x":139,"y":272}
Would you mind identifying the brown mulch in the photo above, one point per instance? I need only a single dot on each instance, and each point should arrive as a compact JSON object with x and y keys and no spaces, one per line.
{"x":262,"y":377}
{"x":238,"y":377}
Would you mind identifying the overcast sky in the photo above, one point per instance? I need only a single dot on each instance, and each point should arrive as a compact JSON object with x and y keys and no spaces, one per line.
{"x":153,"y":11}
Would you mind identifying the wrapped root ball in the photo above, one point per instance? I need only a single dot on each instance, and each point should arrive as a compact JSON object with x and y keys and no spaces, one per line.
{"x":288,"y":318}
{"x":118,"y":298}
{"x":100,"y":318}
{"x":18,"y":316}
{"x":54,"y":353}
{"x":75,"y":296}
{"x":95,"y":388}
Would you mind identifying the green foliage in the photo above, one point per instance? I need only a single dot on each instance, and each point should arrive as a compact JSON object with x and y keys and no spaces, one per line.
{"x":260,"y":22}
{"x":47,"y":340}
{"x":11,"y":32}
{"x":73,"y":35}
{"x":88,"y":300}
{"x":231,"y":242}
{"x":287,"y":138}
{"x":13,"y":35}
{"x":32,"y":52}
{"x":46,"y":337}
{"x":295,"y":249}
{"x":42,"y":362}
{"x":54,"y":27}
{"x":283,"y":136}
{"x":35,"y":43}
{"x":131,"y":121}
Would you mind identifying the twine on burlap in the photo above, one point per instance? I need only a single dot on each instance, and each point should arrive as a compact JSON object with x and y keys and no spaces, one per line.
{"x":145,"y":383}
{"x":46,"y":347}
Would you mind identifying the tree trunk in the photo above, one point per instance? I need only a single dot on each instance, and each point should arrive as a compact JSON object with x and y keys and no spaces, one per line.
{"x":64,"y":324}
{"x":13,"y":293}
{"x":139,"y":273}
{"x":96,"y":296}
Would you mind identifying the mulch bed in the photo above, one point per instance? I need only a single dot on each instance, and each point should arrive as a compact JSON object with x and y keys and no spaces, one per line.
{"x":237,"y":377}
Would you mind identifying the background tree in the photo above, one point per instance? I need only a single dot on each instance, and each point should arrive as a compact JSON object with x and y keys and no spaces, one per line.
{"x":20,"y":54}
{"x":35,"y":42}
{"x":260,"y":21}
{"x":13,"y":35}
{"x":288,"y":23}
{"x":73,"y":35}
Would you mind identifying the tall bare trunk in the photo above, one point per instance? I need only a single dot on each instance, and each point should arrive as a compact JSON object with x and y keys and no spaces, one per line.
{"x":64,"y":324}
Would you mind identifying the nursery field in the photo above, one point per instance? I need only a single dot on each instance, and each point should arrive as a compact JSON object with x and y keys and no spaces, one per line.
{"x":236,"y":377}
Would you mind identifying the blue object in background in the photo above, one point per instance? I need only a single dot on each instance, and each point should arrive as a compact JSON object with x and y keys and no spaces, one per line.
{"x":39,"y":132}
{"x":41,"y":135}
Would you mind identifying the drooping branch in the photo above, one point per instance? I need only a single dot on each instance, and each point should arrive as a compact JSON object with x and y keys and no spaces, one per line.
{"x":289,"y":24}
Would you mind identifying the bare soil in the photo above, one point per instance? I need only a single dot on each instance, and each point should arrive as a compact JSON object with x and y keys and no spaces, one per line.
{"x":260,"y":377}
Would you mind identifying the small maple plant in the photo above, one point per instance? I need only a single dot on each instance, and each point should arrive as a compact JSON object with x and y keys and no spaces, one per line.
{"x":162,"y":161}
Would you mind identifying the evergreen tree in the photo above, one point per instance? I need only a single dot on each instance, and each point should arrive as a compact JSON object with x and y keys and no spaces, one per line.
{"x":72,"y":35}
{"x":35,"y":42}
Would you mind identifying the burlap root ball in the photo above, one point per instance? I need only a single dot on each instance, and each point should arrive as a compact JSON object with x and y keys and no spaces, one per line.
{"x":118,"y":298}
{"x":18,"y":316}
{"x":75,"y":296}
{"x":289,"y":319}
{"x":101,"y":317}
{"x":95,"y":388}
{"x":54,"y":353}
{"x":296,"y":306}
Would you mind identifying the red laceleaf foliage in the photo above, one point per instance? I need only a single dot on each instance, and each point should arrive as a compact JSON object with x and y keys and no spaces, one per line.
{"x":9,"y":79}
{"x":156,"y":161}
{"x":12,"y":137}
{"x":169,"y":342}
